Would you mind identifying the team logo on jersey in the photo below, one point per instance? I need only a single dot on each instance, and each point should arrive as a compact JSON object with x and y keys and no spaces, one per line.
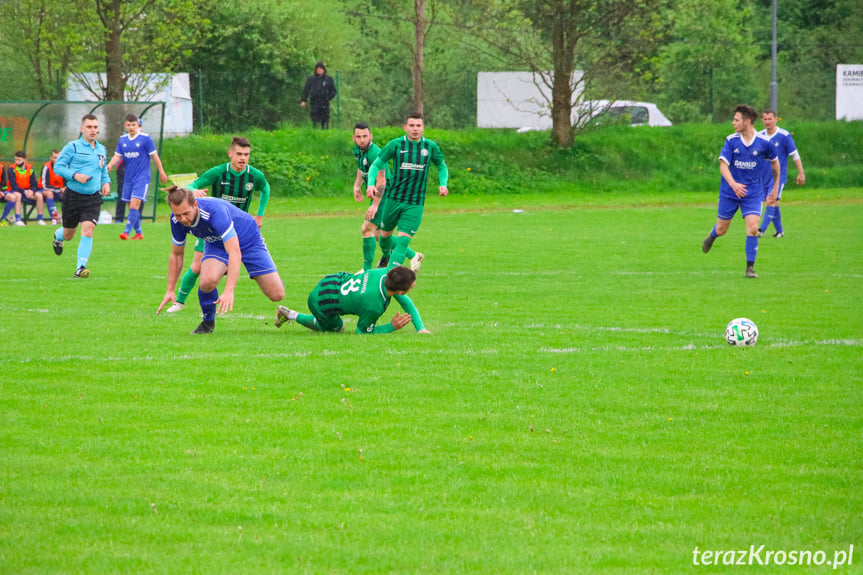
{"x":250,"y":186}
{"x":755,"y":153}
{"x":424,"y":153}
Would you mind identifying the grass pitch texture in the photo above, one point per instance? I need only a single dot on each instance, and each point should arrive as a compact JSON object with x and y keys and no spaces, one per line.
{"x":576,"y":409}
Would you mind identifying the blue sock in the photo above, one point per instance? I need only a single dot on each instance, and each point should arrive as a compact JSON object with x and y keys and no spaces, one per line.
{"x":134,"y":222}
{"x":58,"y":234}
{"x":208,"y":304}
{"x":50,"y":203}
{"x":9,"y":207}
{"x":751,"y":248}
{"x":713,"y":233}
{"x":769,"y":215}
{"x":777,"y":220}
{"x":17,"y":217}
{"x":84,"y":249}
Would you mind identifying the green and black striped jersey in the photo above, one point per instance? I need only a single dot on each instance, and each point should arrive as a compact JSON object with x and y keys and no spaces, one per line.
{"x":235,"y":187}
{"x":363,"y":295}
{"x":365,"y":159}
{"x":411,"y":161}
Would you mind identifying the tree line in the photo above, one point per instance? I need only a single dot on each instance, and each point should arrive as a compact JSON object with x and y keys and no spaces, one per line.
{"x":695,"y":58}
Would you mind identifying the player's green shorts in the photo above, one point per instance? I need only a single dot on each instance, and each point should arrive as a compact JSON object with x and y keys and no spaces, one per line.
{"x":323,"y":303}
{"x":379,"y":214}
{"x":199,"y":245}
{"x":377,"y":219}
{"x":406,"y":216}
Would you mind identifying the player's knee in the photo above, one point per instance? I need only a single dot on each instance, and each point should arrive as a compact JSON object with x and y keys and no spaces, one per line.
{"x":277,"y":293}
{"x":196,"y":268}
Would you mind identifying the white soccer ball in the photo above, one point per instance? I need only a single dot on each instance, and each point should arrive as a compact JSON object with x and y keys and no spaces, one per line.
{"x":741,"y":331}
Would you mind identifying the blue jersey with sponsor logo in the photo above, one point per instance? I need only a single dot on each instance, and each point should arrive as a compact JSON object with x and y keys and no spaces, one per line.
{"x":746,"y":162}
{"x":784,"y":146}
{"x":218,"y":221}
{"x":136,"y":154}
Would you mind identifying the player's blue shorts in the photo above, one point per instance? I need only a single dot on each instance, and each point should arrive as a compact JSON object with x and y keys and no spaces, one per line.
{"x":135,"y":191}
{"x":767,"y":190}
{"x":749,"y":205}
{"x":256,"y":258}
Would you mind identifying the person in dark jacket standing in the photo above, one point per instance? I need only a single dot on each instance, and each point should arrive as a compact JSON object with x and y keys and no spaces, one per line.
{"x":319,"y":90}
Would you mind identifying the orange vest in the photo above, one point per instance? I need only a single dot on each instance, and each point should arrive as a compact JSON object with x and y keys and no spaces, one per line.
{"x":24,"y":177}
{"x":54,"y":181}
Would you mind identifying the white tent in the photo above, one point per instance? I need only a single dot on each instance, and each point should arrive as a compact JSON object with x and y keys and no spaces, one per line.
{"x":171,"y":89}
{"x":513,"y":100}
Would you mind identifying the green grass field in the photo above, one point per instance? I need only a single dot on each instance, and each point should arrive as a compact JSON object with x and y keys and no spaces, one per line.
{"x":575,"y":410}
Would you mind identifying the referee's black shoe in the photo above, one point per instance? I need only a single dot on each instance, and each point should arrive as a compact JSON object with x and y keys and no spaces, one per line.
{"x":58,"y":247}
{"x":205,"y":327}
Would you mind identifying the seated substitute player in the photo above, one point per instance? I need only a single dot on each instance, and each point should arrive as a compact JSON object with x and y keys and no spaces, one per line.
{"x":53,"y":186}
{"x":366,"y":295}
{"x":741,"y":164}
{"x":22,"y":179}
{"x":366,"y":152}
{"x":12,"y":199}
{"x":403,"y":203}
{"x":785,"y":148}
{"x":231,"y":238}
{"x":233,"y":181}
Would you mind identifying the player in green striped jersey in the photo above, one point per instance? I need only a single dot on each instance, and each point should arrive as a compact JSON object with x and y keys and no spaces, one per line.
{"x":233,"y":181}
{"x":365,"y":294}
{"x":366,"y":152}
{"x":403,"y":203}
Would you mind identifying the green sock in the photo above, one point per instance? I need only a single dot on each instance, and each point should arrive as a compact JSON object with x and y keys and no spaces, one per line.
{"x":400,"y":250}
{"x":190,"y":278}
{"x":386,"y":245}
{"x":410,"y":253}
{"x":308,"y":320}
{"x":369,"y":246}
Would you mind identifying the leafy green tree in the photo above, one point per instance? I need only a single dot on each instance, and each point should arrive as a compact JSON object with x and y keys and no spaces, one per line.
{"x":710,"y":65}
{"x":607,"y":40}
{"x":43,"y":41}
{"x":253,"y":65}
{"x":813,"y":37}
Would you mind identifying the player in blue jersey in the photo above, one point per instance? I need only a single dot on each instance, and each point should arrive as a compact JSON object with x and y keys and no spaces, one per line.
{"x":232,"y":237}
{"x":134,"y":149}
{"x":741,"y":164}
{"x":785,"y":148}
{"x":83,"y":164}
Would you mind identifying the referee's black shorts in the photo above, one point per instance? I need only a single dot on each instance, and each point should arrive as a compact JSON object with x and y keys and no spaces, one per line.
{"x":79,"y":208}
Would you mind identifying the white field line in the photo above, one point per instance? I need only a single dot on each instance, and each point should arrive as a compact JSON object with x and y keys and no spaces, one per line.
{"x":415,"y":352}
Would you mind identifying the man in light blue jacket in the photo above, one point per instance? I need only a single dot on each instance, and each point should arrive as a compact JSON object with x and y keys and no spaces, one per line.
{"x":83,"y":162}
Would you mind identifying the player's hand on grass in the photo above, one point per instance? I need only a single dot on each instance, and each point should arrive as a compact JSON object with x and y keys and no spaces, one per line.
{"x":444,"y":191}
{"x":170,"y":298}
{"x":400,"y":320}
{"x":225,"y":303}
{"x":424,"y":331}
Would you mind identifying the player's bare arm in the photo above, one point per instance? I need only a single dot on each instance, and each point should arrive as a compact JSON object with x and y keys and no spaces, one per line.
{"x":739,"y":189}
{"x":226,"y":298}
{"x":175,"y":266}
